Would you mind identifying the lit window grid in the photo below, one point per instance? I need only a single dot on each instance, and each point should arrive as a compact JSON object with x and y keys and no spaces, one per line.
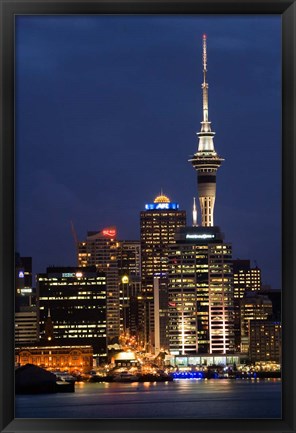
{"x":58,"y":299}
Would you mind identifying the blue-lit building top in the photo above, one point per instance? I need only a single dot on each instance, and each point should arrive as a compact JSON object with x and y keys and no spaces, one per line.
{"x":162,"y":206}
{"x":162,"y":202}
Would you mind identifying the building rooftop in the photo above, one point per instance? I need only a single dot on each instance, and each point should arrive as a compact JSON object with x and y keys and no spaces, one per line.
{"x":162,"y":199}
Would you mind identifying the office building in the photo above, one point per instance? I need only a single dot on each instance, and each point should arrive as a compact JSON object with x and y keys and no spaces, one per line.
{"x":275,"y":295}
{"x":252,"y":307}
{"x":265,"y":341}
{"x":129,"y":258}
{"x":26,"y":326}
{"x":245,"y":279}
{"x":135,"y":314}
{"x":75,"y":301}
{"x":158,"y":224}
{"x":129,"y":271}
{"x":26,"y":321}
{"x":24,"y":296}
{"x":200,"y":292}
{"x":100,"y":250}
{"x":161,"y":315}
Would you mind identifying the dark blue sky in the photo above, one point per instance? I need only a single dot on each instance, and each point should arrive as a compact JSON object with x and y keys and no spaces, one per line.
{"x":107,"y":108}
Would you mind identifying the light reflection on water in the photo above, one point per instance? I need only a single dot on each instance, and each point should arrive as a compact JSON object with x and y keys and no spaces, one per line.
{"x":186,"y":398}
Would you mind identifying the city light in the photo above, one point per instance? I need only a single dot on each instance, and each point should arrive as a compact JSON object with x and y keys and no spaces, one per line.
{"x":170,"y":306}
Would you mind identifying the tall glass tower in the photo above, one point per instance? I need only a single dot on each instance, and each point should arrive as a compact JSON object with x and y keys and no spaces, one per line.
{"x":159,"y":222}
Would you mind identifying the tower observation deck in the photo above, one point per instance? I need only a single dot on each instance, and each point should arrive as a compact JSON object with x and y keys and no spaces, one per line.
{"x":206,"y":161}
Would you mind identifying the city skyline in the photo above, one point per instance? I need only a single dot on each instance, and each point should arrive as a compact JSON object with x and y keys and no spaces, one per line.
{"x":68,"y":185}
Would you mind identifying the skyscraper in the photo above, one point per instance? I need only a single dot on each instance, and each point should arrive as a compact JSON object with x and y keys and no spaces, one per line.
{"x":129,"y":258}
{"x":75,"y":301}
{"x":26,"y":326}
{"x":200,"y":274}
{"x":200,"y":292}
{"x":129,"y":270}
{"x":206,"y":161}
{"x":158,"y":222}
{"x":245,"y":279}
{"x":265,"y":341}
{"x":253,"y":307}
{"x":100,"y":250}
{"x":26,"y":320}
{"x":23,"y":281}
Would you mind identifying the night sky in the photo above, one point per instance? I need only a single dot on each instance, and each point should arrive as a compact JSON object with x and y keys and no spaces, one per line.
{"x":107,"y":110}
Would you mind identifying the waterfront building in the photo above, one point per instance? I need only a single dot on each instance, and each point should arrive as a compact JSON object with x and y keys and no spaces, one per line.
{"x":100,"y":250}
{"x":205,"y":360}
{"x":265,"y":341}
{"x":158,"y":224}
{"x":200,"y":292}
{"x":252,"y":307}
{"x":55,"y":357}
{"x":125,"y":360}
{"x":76,"y":299}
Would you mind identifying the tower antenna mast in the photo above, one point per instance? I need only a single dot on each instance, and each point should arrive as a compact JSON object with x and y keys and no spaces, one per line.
{"x":204,"y":55}
{"x":205,"y":85}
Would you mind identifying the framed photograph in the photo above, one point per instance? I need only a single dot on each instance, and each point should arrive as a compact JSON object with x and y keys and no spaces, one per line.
{"x":147,"y":216}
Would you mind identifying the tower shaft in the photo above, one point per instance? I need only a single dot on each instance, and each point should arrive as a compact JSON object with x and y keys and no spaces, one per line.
{"x":206,"y":161}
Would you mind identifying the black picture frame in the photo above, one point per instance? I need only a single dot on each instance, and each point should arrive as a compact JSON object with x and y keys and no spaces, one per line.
{"x":9,"y":9}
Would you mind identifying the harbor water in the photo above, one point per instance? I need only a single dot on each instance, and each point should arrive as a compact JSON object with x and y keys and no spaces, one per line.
{"x":187,"y":398}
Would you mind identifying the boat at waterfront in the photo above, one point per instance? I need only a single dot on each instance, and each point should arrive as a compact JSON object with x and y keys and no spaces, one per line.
{"x":125,"y":376}
{"x":64,"y":377}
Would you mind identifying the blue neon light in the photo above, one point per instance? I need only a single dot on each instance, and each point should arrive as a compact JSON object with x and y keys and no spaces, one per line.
{"x":162,"y":206}
{"x":188,"y":375}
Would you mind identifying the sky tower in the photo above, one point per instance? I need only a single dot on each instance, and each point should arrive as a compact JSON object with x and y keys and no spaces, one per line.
{"x":206,"y":161}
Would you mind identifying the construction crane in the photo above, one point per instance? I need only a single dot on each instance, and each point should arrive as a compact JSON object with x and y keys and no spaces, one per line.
{"x":75,"y":239}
